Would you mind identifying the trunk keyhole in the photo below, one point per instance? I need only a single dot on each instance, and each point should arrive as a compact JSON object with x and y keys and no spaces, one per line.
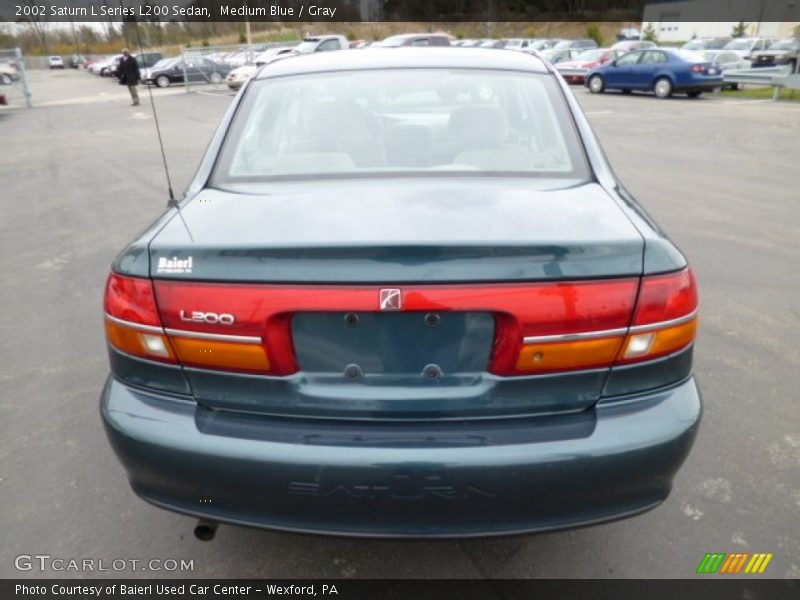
{"x":432,"y":319}
{"x":353,"y":371}
{"x":432,"y":372}
{"x":351,"y":320}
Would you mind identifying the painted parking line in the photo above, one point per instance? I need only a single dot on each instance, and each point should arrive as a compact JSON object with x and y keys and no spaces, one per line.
{"x":217,"y":93}
{"x":103,"y":97}
{"x":745,"y":102}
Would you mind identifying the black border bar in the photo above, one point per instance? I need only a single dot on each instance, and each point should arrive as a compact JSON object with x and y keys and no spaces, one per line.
{"x":439,"y":11}
{"x":707,"y":588}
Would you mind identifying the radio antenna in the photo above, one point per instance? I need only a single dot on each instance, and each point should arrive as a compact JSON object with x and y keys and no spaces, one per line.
{"x":172,"y":201}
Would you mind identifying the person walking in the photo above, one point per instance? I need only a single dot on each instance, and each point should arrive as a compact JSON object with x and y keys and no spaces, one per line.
{"x":128,"y":73}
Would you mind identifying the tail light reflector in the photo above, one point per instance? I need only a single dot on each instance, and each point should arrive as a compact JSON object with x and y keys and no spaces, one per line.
{"x":557,"y":356}
{"x":220,"y":354}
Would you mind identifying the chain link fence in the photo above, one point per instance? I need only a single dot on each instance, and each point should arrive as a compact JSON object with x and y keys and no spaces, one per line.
{"x":14,"y":90}
{"x":212,"y":64}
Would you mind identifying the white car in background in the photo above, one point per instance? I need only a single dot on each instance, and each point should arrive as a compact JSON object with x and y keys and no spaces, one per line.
{"x":238,"y":76}
{"x":8,"y":72}
{"x":518,"y":43}
{"x":744,"y":47}
{"x":96,"y":65}
{"x":56,"y":62}
{"x":244,"y":56}
{"x":322,"y":43}
{"x":101,"y":66}
{"x":728,"y":60}
{"x":271,"y":54}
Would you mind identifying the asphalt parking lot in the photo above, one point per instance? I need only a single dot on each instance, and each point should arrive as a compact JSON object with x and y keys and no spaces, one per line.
{"x":80,"y":175}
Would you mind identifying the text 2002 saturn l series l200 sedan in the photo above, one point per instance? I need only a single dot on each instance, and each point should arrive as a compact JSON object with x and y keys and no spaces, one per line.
{"x":405,"y":296}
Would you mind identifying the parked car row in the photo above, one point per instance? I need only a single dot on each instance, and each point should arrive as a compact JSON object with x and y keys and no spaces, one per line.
{"x":558,"y":49}
{"x":758,"y":51}
{"x":177,"y":70}
{"x":664,"y":71}
{"x":629,"y":64}
{"x":162,"y":72}
{"x":783,"y":52}
{"x":75,"y":61}
{"x":642,"y":66}
{"x":319,"y":43}
{"x":695,"y":68}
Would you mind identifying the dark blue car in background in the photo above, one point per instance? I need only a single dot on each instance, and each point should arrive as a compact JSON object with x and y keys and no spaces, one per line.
{"x":664,"y":71}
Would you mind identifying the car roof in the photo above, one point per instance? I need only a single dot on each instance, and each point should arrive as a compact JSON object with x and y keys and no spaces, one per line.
{"x":405,"y":57}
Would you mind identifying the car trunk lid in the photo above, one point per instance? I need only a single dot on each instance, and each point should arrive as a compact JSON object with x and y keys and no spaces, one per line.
{"x":310,"y":273}
{"x":400,"y":231}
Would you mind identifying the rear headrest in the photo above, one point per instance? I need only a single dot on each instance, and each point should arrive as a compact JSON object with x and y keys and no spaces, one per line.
{"x":478,"y":126}
{"x":336,"y":117}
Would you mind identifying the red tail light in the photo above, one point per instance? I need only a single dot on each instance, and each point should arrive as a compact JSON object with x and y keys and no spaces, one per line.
{"x":131,"y":319}
{"x":540,"y":327}
{"x":698,"y":69}
{"x":131,"y":299}
{"x":665,"y":320}
{"x":666,"y":297}
{"x":522,"y":311}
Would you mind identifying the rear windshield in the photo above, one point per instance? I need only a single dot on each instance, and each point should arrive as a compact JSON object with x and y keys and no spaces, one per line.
{"x":744,"y":44}
{"x":692,"y":57}
{"x":790,"y":44}
{"x":395,"y":40}
{"x":307,"y":45}
{"x":695,"y":45}
{"x":357,"y":123}
{"x":165,"y":63}
{"x":591,"y":54}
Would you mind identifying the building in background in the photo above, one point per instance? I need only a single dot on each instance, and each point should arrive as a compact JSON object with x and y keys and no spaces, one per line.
{"x":682,"y":20}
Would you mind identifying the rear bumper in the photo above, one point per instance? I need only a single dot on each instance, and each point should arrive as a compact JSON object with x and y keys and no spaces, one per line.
{"x":573,"y":75}
{"x":410,"y":480}
{"x":700,"y":84}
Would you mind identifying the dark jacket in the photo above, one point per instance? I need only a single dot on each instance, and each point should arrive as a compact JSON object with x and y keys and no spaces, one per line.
{"x":128,"y":71}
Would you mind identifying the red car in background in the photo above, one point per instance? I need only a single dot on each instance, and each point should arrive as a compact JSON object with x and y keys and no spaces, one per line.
{"x":574,"y":71}
{"x":4,"y":80}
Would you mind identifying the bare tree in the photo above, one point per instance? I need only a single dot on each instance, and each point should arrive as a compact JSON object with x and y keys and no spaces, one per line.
{"x":37,"y":23}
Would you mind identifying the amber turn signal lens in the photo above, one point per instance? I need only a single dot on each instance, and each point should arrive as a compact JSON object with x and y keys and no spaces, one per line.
{"x":220,"y":355}
{"x":138,"y":343}
{"x":555,"y":356}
